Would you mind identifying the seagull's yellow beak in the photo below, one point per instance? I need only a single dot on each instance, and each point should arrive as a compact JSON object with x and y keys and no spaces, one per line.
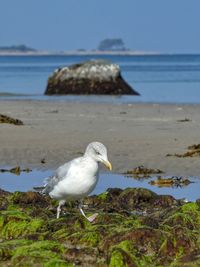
{"x":108,"y":164}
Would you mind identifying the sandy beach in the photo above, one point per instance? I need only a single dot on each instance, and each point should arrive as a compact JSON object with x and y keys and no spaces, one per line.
{"x":135,"y":134}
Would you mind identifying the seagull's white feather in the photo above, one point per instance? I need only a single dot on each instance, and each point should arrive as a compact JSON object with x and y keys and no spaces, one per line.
{"x":59,"y":175}
{"x":78,"y":181}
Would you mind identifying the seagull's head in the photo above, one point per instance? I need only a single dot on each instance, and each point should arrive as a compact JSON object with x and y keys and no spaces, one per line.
{"x":98,"y":152}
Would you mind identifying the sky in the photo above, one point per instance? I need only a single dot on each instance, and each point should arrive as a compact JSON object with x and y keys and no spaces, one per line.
{"x":171,"y":26}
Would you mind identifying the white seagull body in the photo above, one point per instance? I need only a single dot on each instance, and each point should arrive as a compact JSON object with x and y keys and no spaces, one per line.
{"x":77,"y":178}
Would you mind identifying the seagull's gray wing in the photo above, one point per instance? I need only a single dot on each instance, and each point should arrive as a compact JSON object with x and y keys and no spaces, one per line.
{"x":59,"y":175}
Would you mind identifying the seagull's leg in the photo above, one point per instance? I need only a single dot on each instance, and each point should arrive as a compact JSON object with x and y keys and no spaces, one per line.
{"x":81,"y":210}
{"x":91,"y":218}
{"x":61,"y":203}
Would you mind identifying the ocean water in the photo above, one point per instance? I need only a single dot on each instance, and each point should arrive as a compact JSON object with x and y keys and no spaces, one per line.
{"x":158,"y":78}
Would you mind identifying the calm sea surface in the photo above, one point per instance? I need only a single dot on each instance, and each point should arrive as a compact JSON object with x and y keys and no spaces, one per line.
{"x":26,"y":181}
{"x":158,"y":78}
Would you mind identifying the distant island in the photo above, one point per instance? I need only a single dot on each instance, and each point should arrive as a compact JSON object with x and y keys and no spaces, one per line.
{"x":109,"y":46}
{"x":17,"y":48}
{"x":112,"y":44}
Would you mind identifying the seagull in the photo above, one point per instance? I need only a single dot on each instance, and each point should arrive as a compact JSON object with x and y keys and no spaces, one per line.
{"x":77,"y":178}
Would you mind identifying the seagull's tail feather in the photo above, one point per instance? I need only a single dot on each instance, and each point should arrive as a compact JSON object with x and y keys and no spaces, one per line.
{"x":47,"y":180}
{"x":42,"y":189}
{"x":49,"y":183}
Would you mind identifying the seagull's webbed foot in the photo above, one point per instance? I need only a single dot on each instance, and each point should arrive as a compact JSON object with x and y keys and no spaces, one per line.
{"x":91,"y":218}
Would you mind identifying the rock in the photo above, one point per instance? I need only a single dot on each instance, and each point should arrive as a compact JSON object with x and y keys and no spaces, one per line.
{"x":140,"y":228}
{"x":99,"y":77}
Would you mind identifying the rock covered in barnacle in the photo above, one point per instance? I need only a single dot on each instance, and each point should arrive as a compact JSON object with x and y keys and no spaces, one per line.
{"x":90,"y":77}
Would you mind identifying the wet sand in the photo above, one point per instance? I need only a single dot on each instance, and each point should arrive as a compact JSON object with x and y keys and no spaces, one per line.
{"x":135,"y":134}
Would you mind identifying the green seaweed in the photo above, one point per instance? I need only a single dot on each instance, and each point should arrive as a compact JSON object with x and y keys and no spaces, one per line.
{"x":7,"y":248}
{"x":125,"y":254}
{"x":103,"y":196}
{"x":15,"y":224}
{"x":117,"y":259}
{"x":188,"y":216}
{"x":43,"y":252}
{"x":91,"y":238}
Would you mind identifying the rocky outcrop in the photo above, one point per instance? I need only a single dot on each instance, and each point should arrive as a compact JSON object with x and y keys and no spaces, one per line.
{"x":135,"y":227}
{"x":98,"y":77}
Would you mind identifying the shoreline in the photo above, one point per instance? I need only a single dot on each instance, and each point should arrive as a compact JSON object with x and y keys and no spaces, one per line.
{"x":78,"y":53}
{"x":95,"y":53}
{"x":135,"y":134}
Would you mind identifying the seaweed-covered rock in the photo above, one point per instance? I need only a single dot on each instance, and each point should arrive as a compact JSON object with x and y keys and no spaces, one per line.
{"x":99,"y":77}
{"x":4,"y":199}
{"x":135,"y":227}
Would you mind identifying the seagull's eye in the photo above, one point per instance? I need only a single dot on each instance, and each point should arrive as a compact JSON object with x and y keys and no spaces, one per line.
{"x":98,"y":153}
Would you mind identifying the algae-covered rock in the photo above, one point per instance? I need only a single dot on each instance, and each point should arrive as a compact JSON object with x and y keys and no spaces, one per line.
{"x":135,"y":227}
{"x":92,"y":77}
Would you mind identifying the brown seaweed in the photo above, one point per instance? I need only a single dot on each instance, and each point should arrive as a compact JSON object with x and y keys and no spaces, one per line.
{"x":142,"y":172}
{"x":16,"y":170}
{"x":7,"y":119}
{"x":184,"y":120}
{"x":194,"y":151}
{"x":173,"y":181}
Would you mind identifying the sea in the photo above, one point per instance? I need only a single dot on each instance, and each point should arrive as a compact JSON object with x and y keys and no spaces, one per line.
{"x":158,"y":78}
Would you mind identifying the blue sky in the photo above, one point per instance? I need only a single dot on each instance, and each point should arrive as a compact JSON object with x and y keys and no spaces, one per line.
{"x":156,"y":25}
